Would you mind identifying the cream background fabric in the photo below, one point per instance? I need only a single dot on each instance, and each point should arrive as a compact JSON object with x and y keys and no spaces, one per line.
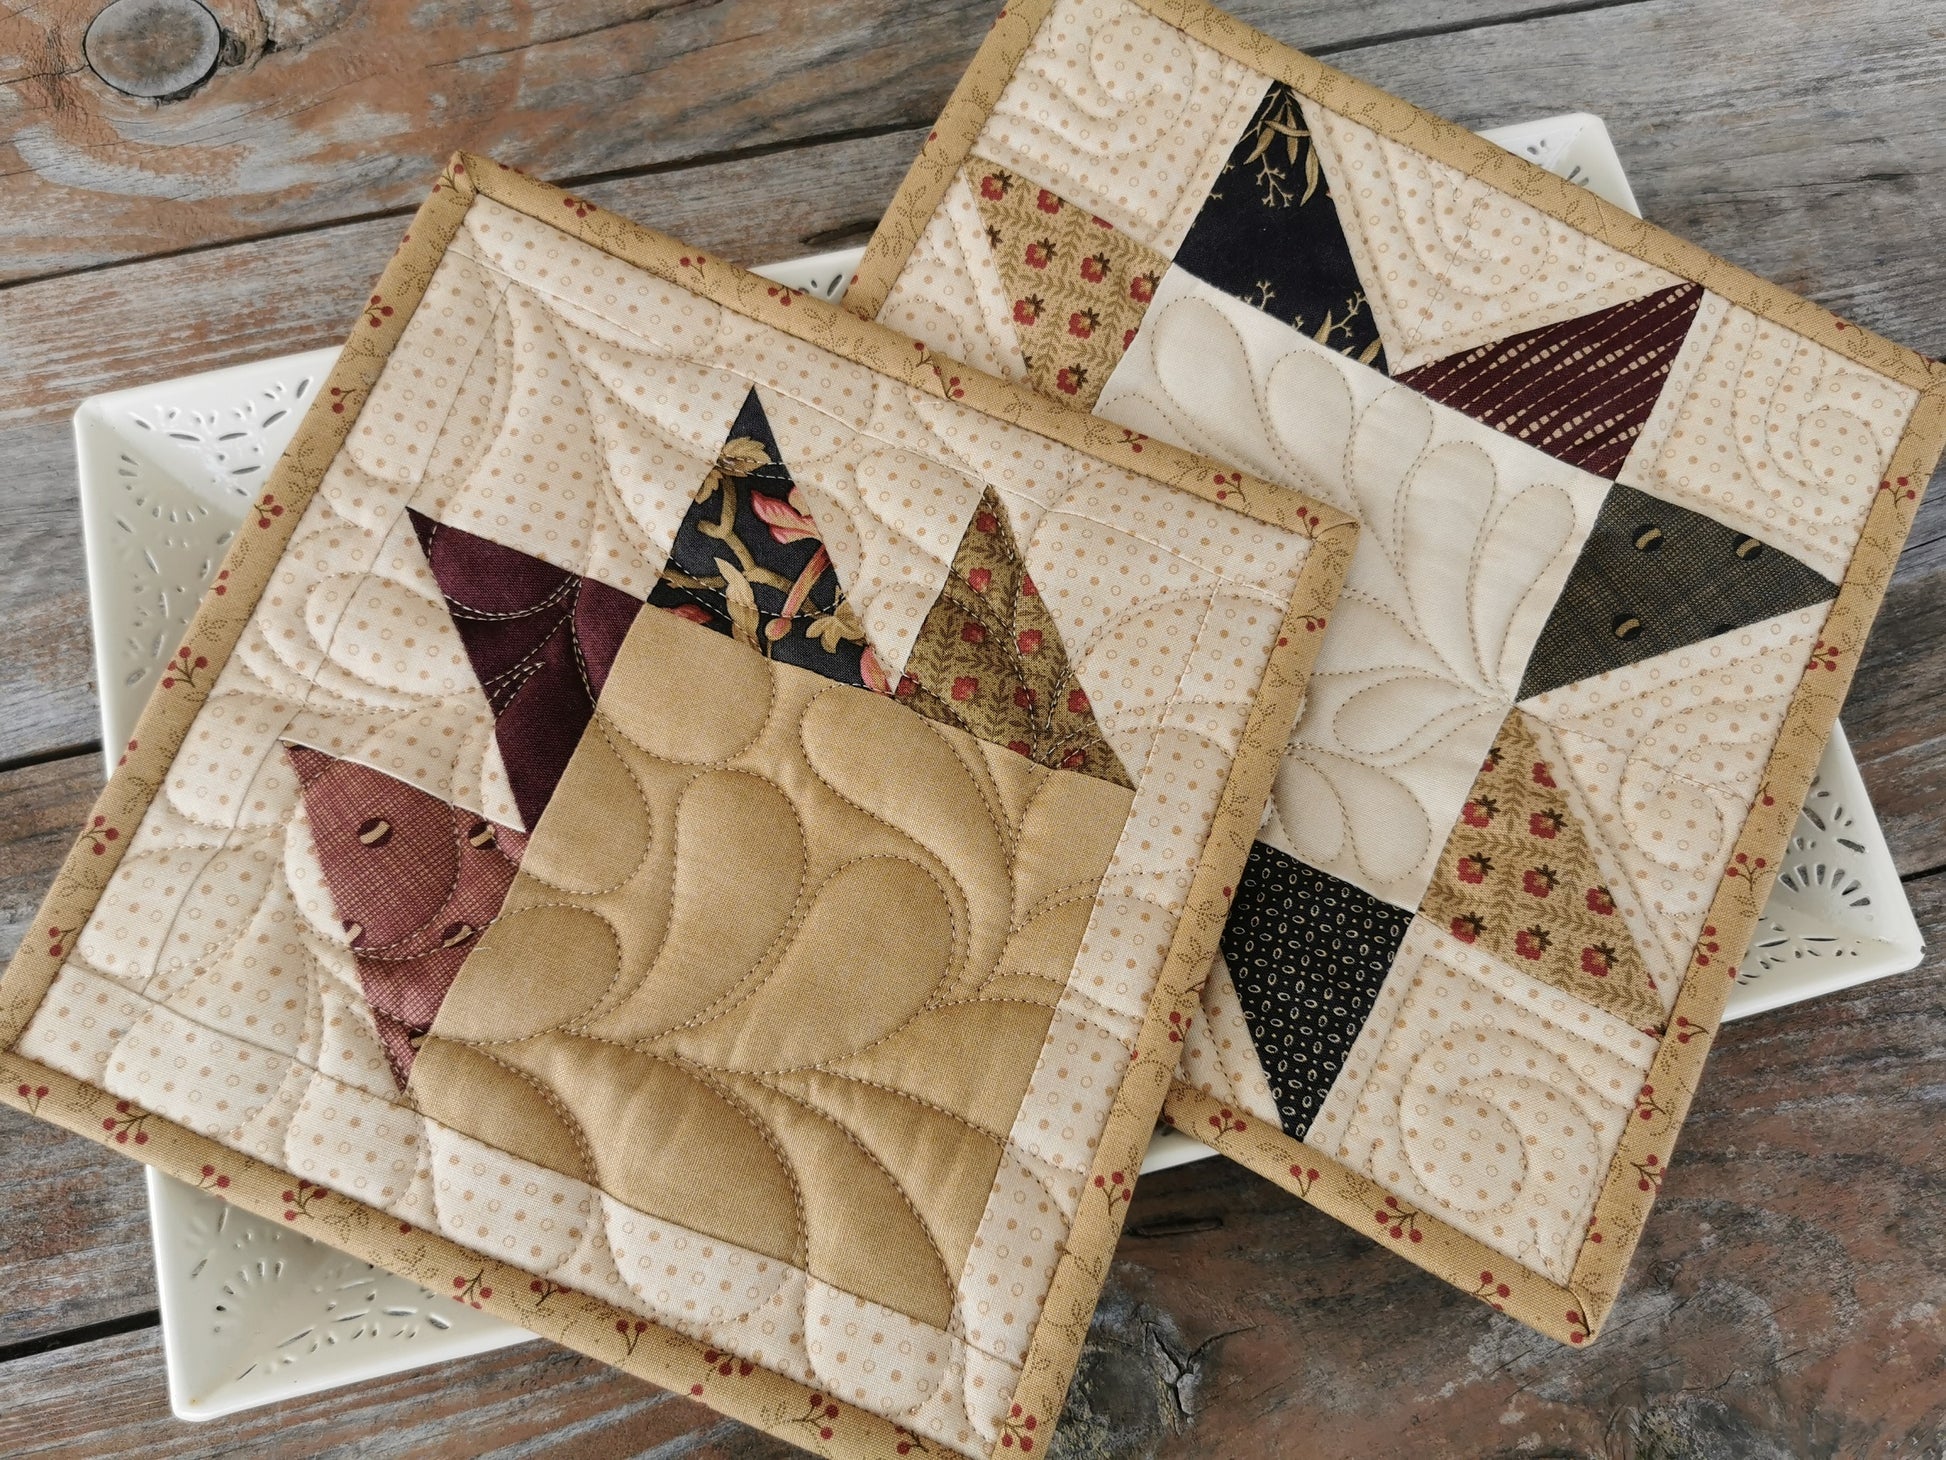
{"x":1125,"y":115}
{"x":1493,"y":1101}
{"x":1768,"y":431}
{"x":1468,"y":538}
{"x":1450,"y":262}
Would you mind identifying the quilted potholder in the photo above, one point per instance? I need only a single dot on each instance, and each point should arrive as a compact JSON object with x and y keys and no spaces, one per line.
{"x":693,"y":823}
{"x":1628,"y":513}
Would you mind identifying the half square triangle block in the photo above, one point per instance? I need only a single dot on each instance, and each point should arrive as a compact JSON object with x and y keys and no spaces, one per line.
{"x":1580,"y":390}
{"x":1653,"y":577}
{"x":1308,"y":954}
{"x":1269,"y":233}
{"x":413,"y":880}
{"x":541,"y":640}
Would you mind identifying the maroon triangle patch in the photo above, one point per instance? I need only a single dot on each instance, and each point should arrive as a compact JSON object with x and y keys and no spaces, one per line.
{"x":541,"y":640}
{"x":1580,"y":390}
{"x":414,"y":880}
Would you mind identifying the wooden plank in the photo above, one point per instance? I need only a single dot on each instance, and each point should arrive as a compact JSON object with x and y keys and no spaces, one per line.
{"x":107,"y":1398}
{"x":74,"y":1235}
{"x":1784,"y":1302}
{"x":335,"y":110}
{"x":41,"y":808}
{"x":1801,"y":207}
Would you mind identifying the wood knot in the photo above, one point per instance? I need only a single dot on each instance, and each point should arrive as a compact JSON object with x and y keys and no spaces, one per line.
{"x":159,"y":49}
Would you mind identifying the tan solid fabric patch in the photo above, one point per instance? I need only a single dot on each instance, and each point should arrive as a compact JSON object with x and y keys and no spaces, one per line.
{"x":699,"y":1001}
{"x":1446,"y":999}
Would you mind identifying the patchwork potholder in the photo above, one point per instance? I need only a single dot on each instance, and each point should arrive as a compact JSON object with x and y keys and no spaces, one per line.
{"x":1628,"y":513}
{"x":692,"y":822}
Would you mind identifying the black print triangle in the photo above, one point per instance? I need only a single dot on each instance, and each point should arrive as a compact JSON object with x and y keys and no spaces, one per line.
{"x":1269,"y":234}
{"x":1653,"y":577}
{"x":749,"y":562}
{"x":1308,"y":954}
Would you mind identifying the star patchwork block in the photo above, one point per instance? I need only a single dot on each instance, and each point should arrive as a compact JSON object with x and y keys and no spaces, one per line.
{"x":1627,"y":512}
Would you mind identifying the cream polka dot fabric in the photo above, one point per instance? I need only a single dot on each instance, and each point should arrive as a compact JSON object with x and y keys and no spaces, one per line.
{"x":1768,"y":431}
{"x":1486,"y":1098}
{"x":1120,"y":113}
{"x":1450,"y":262}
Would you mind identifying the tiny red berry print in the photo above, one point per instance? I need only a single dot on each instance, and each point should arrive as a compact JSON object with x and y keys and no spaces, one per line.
{"x":1226,"y":1122}
{"x":32,"y":1095}
{"x":100,"y":836}
{"x":377,"y":311}
{"x":472,"y":1291}
{"x":1400,"y":1222}
{"x":125,"y":1125}
{"x":212,"y":1179}
{"x":268,"y":509}
{"x":299,"y":1199}
{"x":1017,"y":1431}
{"x":632,"y":1334}
{"x":1303,"y":1178}
{"x":1491,"y":1290}
{"x":1116,"y":1186}
{"x":543,"y":1289}
{"x":818,"y":1415}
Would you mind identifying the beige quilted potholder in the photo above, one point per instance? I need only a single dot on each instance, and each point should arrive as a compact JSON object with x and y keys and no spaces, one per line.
{"x":1628,"y":513}
{"x":693,"y":823}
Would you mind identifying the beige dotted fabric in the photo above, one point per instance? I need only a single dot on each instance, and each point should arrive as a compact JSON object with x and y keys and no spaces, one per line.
{"x":950,"y":293}
{"x":1122,"y":114}
{"x":1450,"y":262}
{"x":1663,"y":759}
{"x":1770,"y":432}
{"x":1468,"y":537}
{"x":1486,"y":1099}
{"x":1220,"y":1058}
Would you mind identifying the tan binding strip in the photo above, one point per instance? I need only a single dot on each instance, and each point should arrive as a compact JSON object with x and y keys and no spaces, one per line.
{"x":1572,"y":1313}
{"x":625,"y":1340}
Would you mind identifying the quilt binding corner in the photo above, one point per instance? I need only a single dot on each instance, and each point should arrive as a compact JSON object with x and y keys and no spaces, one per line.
{"x":793,"y":1411}
{"x":1571,"y":1312}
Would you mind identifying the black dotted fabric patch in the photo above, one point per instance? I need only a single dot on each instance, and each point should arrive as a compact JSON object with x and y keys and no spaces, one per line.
{"x":1307,"y":953}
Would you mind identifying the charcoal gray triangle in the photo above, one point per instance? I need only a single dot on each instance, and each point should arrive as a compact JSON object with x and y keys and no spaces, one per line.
{"x":1308,"y":954}
{"x":1653,"y":577}
{"x":1268,"y":233}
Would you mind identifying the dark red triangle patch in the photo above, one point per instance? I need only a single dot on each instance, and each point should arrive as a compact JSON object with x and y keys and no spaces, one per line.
{"x":414,"y":881}
{"x":1580,"y":390}
{"x":540,"y":639}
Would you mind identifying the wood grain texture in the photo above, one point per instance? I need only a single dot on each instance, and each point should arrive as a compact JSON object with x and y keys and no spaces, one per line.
{"x":107,"y":1398}
{"x":1788,"y":1298}
{"x":74,"y":1236}
{"x":1785,"y":1302}
{"x":331,"y":109}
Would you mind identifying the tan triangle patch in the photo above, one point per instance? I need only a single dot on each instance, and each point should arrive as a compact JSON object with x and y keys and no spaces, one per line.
{"x":1076,"y":286}
{"x":1519,"y":878}
{"x":990,"y":660}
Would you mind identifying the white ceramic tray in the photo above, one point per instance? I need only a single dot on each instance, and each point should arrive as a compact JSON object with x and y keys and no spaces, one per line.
{"x":252,"y":1313}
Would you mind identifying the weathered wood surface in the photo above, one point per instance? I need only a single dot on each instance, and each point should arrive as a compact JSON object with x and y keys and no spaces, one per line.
{"x":1786,"y":1302}
{"x":1797,"y":200}
{"x":1789,"y":1298}
{"x":332,"y":109}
